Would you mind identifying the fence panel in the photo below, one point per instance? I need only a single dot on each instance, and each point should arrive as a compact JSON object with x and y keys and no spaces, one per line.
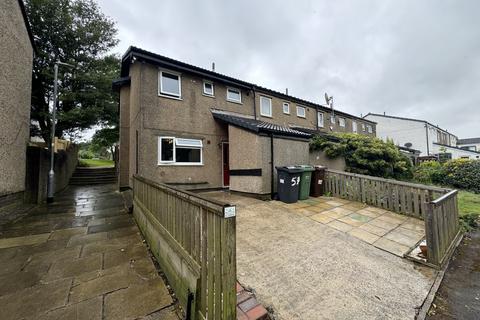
{"x":195,"y":245}
{"x":402,"y":197}
{"x":441,"y":227}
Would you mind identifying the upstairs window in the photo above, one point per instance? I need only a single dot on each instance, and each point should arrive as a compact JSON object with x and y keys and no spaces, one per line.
{"x":208,"y":88}
{"x":320,"y":119}
{"x":363,"y":127}
{"x":354,"y":126}
{"x":286,"y":108}
{"x":234,"y":95}
{"x":179,"y":151}
{"x":369,"y":128}
{"x":300,"y":111}
{"x":265,"y":106}
{"x":170,"y":84}
{"x":341,"y":122}
{"x":332,"y":119}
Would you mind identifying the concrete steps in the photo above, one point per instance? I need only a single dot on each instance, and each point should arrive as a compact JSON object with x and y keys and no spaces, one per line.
{"x":92,"y":176}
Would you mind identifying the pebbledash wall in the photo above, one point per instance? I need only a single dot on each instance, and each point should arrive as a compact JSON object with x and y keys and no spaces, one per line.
{"x":16,"y":57}
{"x":146,"y":115}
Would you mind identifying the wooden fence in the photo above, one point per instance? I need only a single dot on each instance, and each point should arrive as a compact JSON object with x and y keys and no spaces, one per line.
{"x":402,"y":197}
{"x":441,"y":227}
{"x":193,"y":239}
{"x":437,"y":206}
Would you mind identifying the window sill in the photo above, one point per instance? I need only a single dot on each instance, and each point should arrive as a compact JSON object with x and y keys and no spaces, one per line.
{"x":170,"y":97}
{"x":180,"y":164}
{"x":301,"y":117}
{"x":266,"y":116}
{"x":208,"y":95}
{"x":235,"y":101}
{"x":287,"y":113}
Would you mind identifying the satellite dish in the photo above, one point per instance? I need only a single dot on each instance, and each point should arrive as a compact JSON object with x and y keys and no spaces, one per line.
{"x":328,"y":100}
{"x":408,"y":144}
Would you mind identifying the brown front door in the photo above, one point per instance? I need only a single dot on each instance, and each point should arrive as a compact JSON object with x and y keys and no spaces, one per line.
{"x":225,"y":164}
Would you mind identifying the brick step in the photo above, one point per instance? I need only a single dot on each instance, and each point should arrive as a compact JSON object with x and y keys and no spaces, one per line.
{"x":248,"y":308}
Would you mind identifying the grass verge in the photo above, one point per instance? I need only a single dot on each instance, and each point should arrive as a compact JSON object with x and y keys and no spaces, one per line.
{"x":95,"y":163}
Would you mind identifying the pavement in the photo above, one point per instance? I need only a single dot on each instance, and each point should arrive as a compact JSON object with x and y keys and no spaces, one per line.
{"x":459,"y":294}
{"x":303,"y":269}
{"x":81,"y":257}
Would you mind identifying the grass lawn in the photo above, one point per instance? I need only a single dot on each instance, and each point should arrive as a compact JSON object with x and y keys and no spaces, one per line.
{"x":468,"y":202}
{"x":469,"y":209}
{"x":95,"y":163}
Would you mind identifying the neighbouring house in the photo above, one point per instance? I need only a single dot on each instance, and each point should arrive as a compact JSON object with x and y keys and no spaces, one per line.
{"x":420,"y":135}
{"x":16,"y":59}
{"x":195,"y":128}
{"x":472,"y":144}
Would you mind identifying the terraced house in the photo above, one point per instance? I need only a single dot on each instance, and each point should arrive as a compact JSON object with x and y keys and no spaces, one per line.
{"x":196,"y":128}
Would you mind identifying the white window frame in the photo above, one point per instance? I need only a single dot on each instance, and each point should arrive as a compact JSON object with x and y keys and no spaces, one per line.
{"x":239,"y":92}
{"x":160,"y":161}
{"x":354,"y":127}
{"x":304,"y":112}
{"x":340,"y":122}
{"x":332,"y":119}
{"x":369,"y":128}
{"x":363,"y":127}
{"x":321,"y":124}
{"x":204,"y":89}
{"x":165,"y":93}
{"x":286,"y":104}
{"x":265,"y":98}
{"x":174,"y":162}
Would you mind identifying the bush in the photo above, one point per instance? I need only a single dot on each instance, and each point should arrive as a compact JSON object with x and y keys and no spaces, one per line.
{"x":462,"y":173}
{"x":365,"y":155}
{"x":429,"y":172}
{"x":85,"y":154}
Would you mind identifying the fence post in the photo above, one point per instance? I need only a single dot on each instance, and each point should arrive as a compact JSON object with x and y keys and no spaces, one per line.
{"x":431,"y":234}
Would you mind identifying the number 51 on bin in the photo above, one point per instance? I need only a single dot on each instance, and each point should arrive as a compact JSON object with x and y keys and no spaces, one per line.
{"x":295,"y":181}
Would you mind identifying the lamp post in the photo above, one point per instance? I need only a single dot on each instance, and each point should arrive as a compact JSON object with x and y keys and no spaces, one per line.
{"x":51,"y":173}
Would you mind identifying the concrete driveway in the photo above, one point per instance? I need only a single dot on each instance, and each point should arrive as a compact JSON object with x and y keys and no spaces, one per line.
{"x":307,"y":270}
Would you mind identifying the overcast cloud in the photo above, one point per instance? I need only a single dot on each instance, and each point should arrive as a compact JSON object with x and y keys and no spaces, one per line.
{"x":417,"y":59}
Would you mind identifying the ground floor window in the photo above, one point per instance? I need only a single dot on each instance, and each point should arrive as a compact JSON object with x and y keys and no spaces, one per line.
{"x":179,"y":151}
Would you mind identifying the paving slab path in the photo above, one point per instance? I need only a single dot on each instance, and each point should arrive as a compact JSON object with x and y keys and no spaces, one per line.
{"x":81,"y":257}
{"x":308,"y":270}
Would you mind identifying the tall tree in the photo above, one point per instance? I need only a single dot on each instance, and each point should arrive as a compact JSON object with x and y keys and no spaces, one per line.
{"x":78,"y":33}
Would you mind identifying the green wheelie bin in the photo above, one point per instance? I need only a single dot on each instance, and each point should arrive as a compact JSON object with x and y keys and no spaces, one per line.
{"x":306,"y":177}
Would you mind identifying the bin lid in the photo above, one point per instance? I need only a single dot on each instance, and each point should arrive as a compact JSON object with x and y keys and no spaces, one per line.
{"x":289,"y":169}
{"x":305,"y":167}
{"x":320,"y":167}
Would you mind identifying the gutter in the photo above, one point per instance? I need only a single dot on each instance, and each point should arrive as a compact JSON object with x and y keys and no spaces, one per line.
{"x":272,"y":178}
{"x":426,"y":131}
{"x":254,"y":104}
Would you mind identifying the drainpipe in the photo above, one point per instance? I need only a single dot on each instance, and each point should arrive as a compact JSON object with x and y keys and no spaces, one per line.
{"x":272,"y":179}
{"x":254,"y":104}
{"x":426,"y":131}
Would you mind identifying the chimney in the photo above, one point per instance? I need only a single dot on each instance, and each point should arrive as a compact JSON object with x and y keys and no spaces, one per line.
{"x":286,"y":91}
{"x":213,"y":66}
{"x":383,"y":112}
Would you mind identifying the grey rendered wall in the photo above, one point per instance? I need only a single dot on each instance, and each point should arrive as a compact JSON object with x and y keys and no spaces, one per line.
{"x":155,"y":116}
{"x":16,"y":56}
{"x":318,"y":158}
{"x":124,"y":147}
{"x":38,"y":165}
{"x":248,"y":151}
{"x":289,"y":152}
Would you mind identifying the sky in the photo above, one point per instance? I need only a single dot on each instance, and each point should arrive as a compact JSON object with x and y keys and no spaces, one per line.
{"x":410,"y":58}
